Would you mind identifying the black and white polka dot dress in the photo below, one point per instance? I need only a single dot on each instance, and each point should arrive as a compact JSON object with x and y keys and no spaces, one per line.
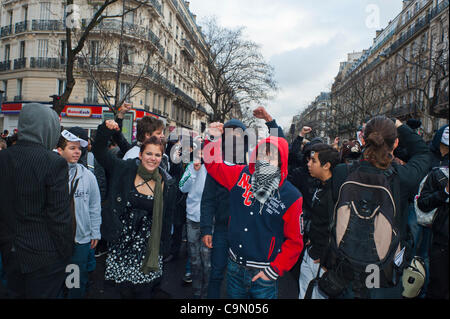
{"x":125,"y":257}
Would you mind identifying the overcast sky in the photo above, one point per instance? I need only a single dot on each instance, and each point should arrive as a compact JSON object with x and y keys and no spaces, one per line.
{"x":304,"y":40}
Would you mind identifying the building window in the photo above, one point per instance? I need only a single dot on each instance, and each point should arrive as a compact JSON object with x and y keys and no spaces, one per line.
{"x":42,"y":48}
{"x":92,"y":96}
{"x":45,"y":11}
{"x":22,"y":49}
{"x":19,"y":88}
{"x":125,"y":91}
{"x":7,"y":52}
{"x":61,"y":86}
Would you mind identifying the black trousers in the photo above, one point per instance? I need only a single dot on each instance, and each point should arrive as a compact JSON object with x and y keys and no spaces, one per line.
{"x":46,"y":283}
{"x":438,"y":286}
{"x":127,"y":290}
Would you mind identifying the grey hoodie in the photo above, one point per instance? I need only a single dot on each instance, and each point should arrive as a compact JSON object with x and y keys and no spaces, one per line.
{"x":39,"y":124}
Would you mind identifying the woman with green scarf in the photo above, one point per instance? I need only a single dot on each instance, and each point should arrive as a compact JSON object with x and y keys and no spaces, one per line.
{"x":137,"y":216}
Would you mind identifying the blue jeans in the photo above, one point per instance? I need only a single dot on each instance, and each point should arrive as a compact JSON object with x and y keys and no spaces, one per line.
{"x":219,"y":261}
{"x":80,"y":257}
{"x":92,"y":263}
{"x":240,"y":285}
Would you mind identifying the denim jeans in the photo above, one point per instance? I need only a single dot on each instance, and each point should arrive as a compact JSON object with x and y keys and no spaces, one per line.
{"x":240,"y":285}
{"x":219,"y":261}
{"x":92,"y":263}
{"x":308,"y":271}
{"x":200,"y":258}
{"x":80,"y":257}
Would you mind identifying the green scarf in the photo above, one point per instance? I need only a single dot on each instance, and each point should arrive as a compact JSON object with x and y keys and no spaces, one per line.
{"x":151,"y":260}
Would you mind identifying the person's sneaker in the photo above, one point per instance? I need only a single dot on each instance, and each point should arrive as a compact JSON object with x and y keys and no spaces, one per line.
{"x":100,"y":253}
{"x":187,"y":278}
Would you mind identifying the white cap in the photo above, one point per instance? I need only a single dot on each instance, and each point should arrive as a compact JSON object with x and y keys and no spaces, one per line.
{"x":73,"y":138}
{"x":444,"y":138}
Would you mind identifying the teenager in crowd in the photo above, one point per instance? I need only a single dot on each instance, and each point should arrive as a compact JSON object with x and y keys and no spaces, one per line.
{"x":192,"y":182}
{"x":322,"y":161}
{"x":381,"y":137}
{"x":264,"y":231}
{"x":85,"y":207}
{"x":138,"y":215}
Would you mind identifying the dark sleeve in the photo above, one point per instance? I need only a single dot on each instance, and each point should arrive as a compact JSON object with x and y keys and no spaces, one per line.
{"x":273,"y":125}
{"x":100,"y":148}
{"x":433,"y":193}
{"x":418,"y":165}
{"x":100,"y":174}
{"x":209,"y":205}
{"x":295,"y":158}
{"x":57,"y":206}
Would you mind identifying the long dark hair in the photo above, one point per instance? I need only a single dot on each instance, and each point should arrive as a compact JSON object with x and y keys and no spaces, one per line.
{"x":380,"y":134}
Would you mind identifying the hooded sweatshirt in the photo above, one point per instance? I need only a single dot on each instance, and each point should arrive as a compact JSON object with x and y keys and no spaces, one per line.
{"x":269,"y":238}
{"x":39,"y":124}
{"x":437,"y":159}
{"x":87,"y":204}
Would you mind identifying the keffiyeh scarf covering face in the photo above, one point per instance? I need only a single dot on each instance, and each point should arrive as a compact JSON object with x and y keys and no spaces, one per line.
{"x":265,"y":181}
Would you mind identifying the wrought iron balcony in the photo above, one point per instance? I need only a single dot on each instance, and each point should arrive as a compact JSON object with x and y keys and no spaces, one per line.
{"x":47,"y":25}
{"x":47,"y":63}
{"x":187,"y":48}
{"x":186,"y":98}
{"x":20,"y":63}
{"x":6,"y":31}
{"x":5,"y":65}
{"x":21,"y":27}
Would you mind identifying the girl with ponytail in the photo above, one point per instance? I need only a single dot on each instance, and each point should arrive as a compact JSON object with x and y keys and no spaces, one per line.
{"x":381,"y":137}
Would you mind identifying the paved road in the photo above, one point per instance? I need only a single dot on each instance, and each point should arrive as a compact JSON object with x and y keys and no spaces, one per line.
{"x":172,"y":286}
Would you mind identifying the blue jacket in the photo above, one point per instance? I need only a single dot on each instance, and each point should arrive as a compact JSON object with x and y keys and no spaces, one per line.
{"x":270,"y":240}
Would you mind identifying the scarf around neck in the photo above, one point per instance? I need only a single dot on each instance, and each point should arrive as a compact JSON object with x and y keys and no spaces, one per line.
{"x":265,"y":182}
{"x":151,"y":260}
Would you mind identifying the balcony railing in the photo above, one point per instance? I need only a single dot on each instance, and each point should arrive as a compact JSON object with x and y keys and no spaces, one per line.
{"x":47,"y":63}
{"x":186,"y":98}
{"x":6,"y":30}
{"x":47,"y":25}
{"x":18,"y":98}
{"x":91,"y":100}
{"x":403,"y":110}
{"x":20,"y":63}
{"x":188,"y":48}
{"x":5,"y":65}
{"x":156,"y":5}
{"x":21,"y":27}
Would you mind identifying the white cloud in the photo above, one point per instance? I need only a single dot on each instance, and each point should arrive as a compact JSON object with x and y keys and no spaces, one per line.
{"x":304,"y":40}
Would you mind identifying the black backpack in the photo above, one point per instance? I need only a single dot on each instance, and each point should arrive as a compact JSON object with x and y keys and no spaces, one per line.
{"x":363,"y":231}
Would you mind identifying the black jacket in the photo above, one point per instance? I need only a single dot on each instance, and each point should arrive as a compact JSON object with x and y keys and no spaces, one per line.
{"x":405,"y":180}
{"x":215,"y":207}
{"x":433,"y":196}
{"x":121,"y":175}
{"x":34,"y":206}
{"x":318,"y":229}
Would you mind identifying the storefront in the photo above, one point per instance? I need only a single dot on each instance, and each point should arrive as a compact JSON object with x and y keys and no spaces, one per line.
{"x":82,"y":115}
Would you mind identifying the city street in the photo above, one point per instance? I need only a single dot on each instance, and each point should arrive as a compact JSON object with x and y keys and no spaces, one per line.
{"x":173,"y":287}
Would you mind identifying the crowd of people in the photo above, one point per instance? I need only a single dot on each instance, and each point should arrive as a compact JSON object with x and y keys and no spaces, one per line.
{"x":362,"y":218}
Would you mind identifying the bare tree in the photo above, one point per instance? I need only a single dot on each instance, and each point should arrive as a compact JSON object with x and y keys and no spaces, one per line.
{"x":76,"y":40}
{"x":110,"y":59}
{"x":235,"y":71}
